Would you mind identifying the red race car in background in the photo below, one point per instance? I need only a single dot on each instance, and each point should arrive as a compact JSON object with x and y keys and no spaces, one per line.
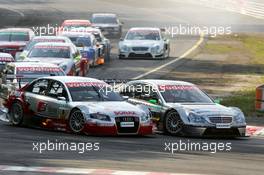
{"x":13,"y":40}
{"x":70,"y":24}
{"x":4,"y":59}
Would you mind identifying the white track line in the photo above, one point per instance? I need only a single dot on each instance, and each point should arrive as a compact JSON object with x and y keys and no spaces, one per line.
{"x":200,"y":41}
{"x":57,"y":170}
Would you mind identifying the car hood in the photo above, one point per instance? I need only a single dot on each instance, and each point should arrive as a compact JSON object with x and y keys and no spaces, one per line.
{"x":113,"y":109}
{"x":56,"y":61}
{"x":205,"y":109}
{"x":7,"y":43}
{"x":142,"y":43}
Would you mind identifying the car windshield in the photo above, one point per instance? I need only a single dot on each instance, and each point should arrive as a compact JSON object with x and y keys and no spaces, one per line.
{"x":85,"y":41}
{"x":93,"y":93}
{"x":14,"y":36}
{"x":143,"y":35}
{"x":34,"y":42}
{"x":183,"y":94}
{"x":54,"y":52}
{"x":104,"y":20}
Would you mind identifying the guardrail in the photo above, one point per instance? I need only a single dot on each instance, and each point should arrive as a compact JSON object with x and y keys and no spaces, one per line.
{"x":254,"y":8}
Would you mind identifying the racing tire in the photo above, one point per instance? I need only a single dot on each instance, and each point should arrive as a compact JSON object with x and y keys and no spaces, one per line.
{"x":76,"y":121}
{"x":16,"y":114}
{"x":173,"y":124}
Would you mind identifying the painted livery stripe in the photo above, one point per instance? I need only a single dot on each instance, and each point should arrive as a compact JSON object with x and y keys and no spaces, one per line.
{"x":255,"y":131}
{"x":80,"y":171}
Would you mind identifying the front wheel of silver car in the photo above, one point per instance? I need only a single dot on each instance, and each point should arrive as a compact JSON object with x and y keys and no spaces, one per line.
{"x":173,"y":124}
{"x":16,"y":114}
{"x":76,"y":121}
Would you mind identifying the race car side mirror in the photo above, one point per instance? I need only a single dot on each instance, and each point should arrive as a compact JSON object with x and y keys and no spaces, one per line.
{"x":153,"y":101}
{"x":217,"y":101}
{"x":121,"y":39}
{"x":125,"y":98}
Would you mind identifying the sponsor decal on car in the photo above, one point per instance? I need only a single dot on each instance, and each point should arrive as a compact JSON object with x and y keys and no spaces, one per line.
{"x":86,"y":84}
{"x":50,"y":40}
{"x":52,"y":47}
{"x":6,"y":59}
{"x":124,"y":113}
{"x":176,"y":87}
{"x":38,"y":69}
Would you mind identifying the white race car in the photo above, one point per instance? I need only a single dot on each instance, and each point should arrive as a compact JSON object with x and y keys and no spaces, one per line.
{"x":144,"y":43}
{"x":181,"y":108}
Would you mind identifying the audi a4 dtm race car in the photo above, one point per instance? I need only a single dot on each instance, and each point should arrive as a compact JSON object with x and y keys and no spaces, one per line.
{"x":42,"y":39}
{"x":77,"y":104}
{"x":13,"y":40}
{"x":108,"y":23}
{"x":65,"y":55}
{"x":144,"y":43}
{"x":181,"y":108}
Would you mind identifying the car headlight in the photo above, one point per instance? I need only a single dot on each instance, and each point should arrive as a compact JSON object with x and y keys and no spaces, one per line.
{"x":102,"y":117}
{"x":239,"y":118}
{"x":194,"y":118}
{"x":156,"y":49}
{"x":124,"y":48}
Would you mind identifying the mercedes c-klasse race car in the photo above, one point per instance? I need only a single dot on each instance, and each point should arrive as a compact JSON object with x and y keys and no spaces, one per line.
{"x":87,"y":45}
{"x":108,"y":23}
{"x":65,"y":55}
{"x":4,"y":59}
{"x":42,"y":39}
{"x":79,"y":105}
{"x":144,"y":43}
{"x":181,"y":108}
{"x":13,"y":40}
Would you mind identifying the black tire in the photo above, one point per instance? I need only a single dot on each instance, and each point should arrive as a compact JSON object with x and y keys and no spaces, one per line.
{"x":16,"y":114}
{"x":76,"y":121}
{"x":172,"y":123}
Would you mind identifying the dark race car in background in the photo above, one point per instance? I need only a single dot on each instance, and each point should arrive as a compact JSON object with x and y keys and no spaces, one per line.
{"x":79,"y":105}
{"x":108,"y":23}
{"x":14,"y":40}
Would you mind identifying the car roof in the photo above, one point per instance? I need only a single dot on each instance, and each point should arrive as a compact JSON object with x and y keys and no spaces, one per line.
{"x":16,"y":30}
{"x":158,"y":82}
{"x":144,"y":28}
{"x":76,"y":21}
{"x":33,"y":64}
{"x":77,"y":34}
{"x":104,"y":15}
{"x":7,"y":55}
{"x":50,"y":37}
{"x":74,"y":79}
{"x":51,"y":44}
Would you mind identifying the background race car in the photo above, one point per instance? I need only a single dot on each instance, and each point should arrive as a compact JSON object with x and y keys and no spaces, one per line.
{"x":13,"y":40}
{"x":87,"y":45}
{"x":144,"y":43}
{"x":70,"y":24}
{"x":41,"y":39}
{"x":79,"y":105}
{"x":65,"y":55}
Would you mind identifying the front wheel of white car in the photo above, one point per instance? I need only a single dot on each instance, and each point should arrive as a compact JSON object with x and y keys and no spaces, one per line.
{"x":173,"y":124}
{"x":76,"y":121}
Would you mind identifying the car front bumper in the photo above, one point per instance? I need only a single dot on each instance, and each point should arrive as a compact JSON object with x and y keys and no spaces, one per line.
{"x":213,"y":131}
{"x":140,"y":55}
{"x":95,"y":129}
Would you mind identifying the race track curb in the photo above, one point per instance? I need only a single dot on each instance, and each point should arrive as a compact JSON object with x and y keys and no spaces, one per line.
{"x":59,"y":170}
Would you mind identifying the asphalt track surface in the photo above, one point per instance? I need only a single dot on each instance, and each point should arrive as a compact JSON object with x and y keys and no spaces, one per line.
{"x":129,"y":153}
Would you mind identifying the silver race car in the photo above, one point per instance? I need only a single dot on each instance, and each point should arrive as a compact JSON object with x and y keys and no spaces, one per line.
{"x":144,"y":43}
{"x":181,"y":108}
{"x":77,"y":104}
